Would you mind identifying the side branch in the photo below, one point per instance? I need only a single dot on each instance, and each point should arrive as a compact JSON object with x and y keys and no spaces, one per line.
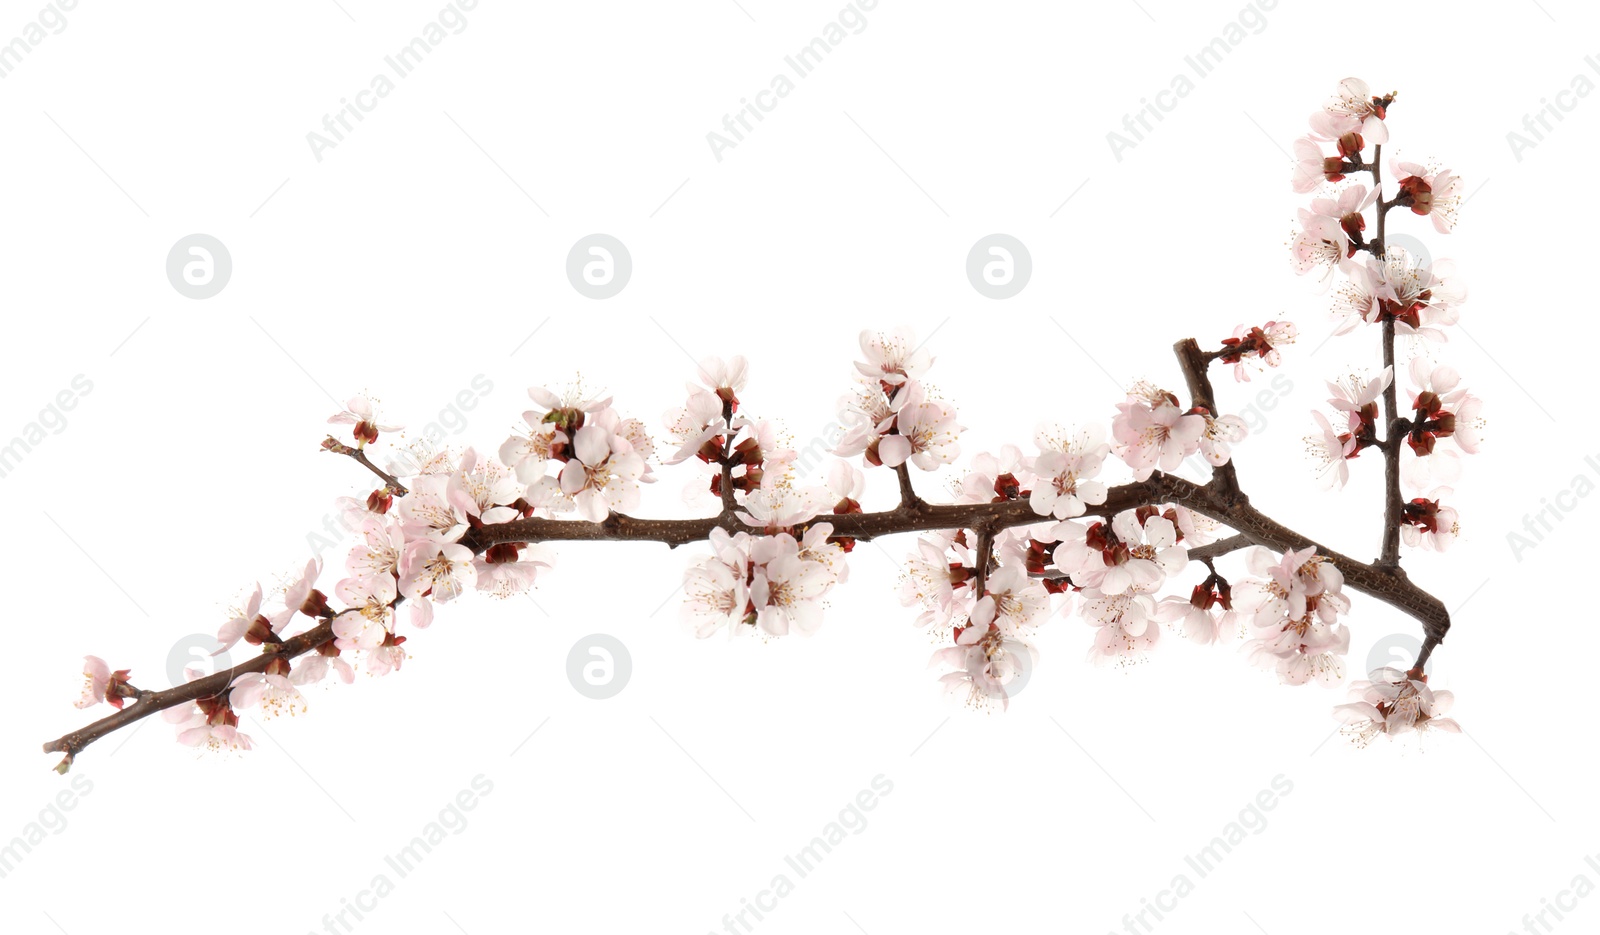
{"x":1194,"y":364}
{"x":359,"y":456}
{"x":215,"y":684}
{"x":1393,"y":435}
{"x":1389,"y":585}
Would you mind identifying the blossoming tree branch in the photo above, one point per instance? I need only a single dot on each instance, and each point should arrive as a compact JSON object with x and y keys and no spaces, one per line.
{"x":1023,"y":538}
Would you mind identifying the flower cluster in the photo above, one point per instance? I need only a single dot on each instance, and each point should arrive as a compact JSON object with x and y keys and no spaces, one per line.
{"x":1393,"y":702}
{"x":1294,"y":603}
{"x":892,"y":420}
{"x":1259,"y":344}
{"x":1028,"y":536}
{"x":1409,"y":296}
{"x":773,"y":584}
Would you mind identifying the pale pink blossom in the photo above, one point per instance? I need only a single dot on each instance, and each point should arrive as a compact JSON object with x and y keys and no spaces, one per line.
{"x":484,"y":488}
{"x":312,"y":668}
{"x":1330,"y":450}
{"x":927,"y":437}
{"x":929,"y":580}
{"x":1126,"y":626}
{"x":992,"y":478}
{"x":1221,"y":434}
{"x":1352,"y":109}
{"x":782,"y":508}
{"x":369,"y":613}
{"x":1198,"y":617}
{"x":528,"y":453}
{"x":1391,"y":702}
{"x":892,"y":357}
{"x":570,"y":402}
{"x":440,"y":570}
{"x":1011,"y":601}
{"x":1065,"y":469}
{"x":725,"y":375}
{"x":845,"y":484}
{"x":378,"y":554}
{"x":1321,"y":242}
{"x":1151,"y":432}
{"x":297,"y":597}
{"x":96,"y":677}
{"x":236,"y":627}
{"x":697,"y":422}
{"x":1294,"y":606}
{"x":1437,"y":195}
{"x":716,"y":594}
{"x":385,"y":657}
{"x":1312,"y":166}
{"x":989,"y":666}
{"x":361,"y":412}
{"x":603,"y":475}
{"x":1429,"y":524}
{"x":784,"y":593}
{"x":276,"y":694}
{"x":427,"y":512}
{"x":510,"y":568}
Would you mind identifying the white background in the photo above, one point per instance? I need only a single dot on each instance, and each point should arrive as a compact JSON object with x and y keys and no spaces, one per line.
{"x":429,"y":245}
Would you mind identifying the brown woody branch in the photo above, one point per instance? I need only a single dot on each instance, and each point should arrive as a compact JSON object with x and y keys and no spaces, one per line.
{"x":1219,"y":499}
{"x":1194,"y":366}
{"x":359,"y":456}
{"x":206,"y":687}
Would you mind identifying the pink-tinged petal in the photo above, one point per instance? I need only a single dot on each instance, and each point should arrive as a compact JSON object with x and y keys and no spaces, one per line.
{"x":592,"y":444}
{"x":774,"y":621}
{"x":1117,"y":579}
{"x":573,"y":478}
{"x":194,"y":736}
{"x":252,"y":606}
{"x":1374,"y":132}
{"x":807,"y":617}
{"x":230,"y":633}
{"x":893,"y":450}
{"x":591,"y":505}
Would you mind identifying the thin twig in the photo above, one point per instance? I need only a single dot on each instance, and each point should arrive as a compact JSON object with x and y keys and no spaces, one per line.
{"x":359,"y":456}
